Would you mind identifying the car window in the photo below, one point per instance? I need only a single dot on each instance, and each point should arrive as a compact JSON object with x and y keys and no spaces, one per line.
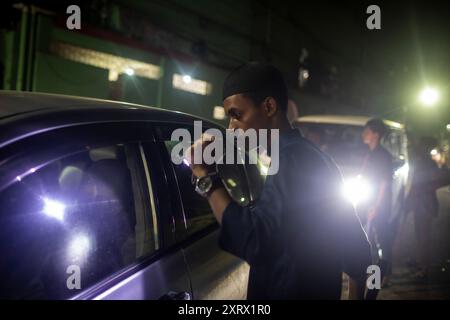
{"x":342,"y":142}
{"x":393,"y":143}
{"x":74,"y":218}
{"x":244,"y":183}
{"x":197,"y":211}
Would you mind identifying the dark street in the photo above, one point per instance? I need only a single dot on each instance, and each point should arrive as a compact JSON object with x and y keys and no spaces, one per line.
{"x":404,"y":286}
{"x":234,"y":152}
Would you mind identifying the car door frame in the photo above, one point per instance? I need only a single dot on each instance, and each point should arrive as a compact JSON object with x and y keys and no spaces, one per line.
{"x":166,"y":255}
{"x":108,"y":287}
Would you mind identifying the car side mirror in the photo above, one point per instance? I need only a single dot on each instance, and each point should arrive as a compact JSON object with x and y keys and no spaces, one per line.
{"x":235,"y":181}
{"x":243,"y":181}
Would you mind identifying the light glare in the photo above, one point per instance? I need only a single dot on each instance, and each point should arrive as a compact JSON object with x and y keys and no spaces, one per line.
{"x":54,"y":209}
{"x":129,"y":71}
{"x":356,"y":189}
{"x":187,"y":79}
{"x":402,"y":171}
{"x":429,"y":96}
{"x":79,"y":247}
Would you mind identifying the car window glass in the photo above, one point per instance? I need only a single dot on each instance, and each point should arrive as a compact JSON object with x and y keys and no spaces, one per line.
{"x":75,"y":212}
{"x":197,"y":211}
{"x":342,"y":142}
{"x":244,"y":183}
{"x":392,"y":143}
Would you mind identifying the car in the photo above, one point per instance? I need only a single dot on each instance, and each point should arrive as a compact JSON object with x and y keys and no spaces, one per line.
{"x":340,"y":137}
{"x":92,"y":207}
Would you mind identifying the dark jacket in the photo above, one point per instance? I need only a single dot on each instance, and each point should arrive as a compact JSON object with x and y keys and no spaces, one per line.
{"x":301,"y":234}
{"x":378,"y":168}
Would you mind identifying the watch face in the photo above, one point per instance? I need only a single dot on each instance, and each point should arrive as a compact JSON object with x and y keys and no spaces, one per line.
{"x":204,"y":184}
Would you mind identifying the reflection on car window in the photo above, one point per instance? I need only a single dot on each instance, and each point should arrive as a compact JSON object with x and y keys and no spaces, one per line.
{"x":393,"y":143}
{"x":76,"y":211}
{"x":196,"y":208}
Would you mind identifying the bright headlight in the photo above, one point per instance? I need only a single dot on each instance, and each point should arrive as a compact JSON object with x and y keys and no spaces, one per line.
{"x":356,"y":189}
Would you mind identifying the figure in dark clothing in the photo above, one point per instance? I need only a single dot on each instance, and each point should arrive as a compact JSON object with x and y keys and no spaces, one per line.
{"x":301,"y":234}
{"x":378,"y":169}
{"x":422,"y":200}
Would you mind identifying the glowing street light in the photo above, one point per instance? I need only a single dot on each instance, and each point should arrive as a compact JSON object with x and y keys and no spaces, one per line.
{"x":187,"y":79}
{"x":129,"y":71}
{"x":429,"y":96}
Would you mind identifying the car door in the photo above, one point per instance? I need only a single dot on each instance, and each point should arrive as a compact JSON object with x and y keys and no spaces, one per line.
{"x":80,"y":218}
{"x":214,"y":273}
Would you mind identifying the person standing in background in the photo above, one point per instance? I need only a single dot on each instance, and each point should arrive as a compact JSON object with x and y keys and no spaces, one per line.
{"x":423,"y":202}
{"x":377,"y":168}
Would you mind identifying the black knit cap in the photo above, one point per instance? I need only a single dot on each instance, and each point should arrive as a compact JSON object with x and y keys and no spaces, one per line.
{"x":256,"y":77}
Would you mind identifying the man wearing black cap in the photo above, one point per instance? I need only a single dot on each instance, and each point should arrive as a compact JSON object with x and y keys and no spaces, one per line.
{"x":300,"y":235}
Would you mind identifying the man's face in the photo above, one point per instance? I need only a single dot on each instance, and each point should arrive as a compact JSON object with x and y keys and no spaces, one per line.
{"x":244,"y":114}
{"x":369,"y":137}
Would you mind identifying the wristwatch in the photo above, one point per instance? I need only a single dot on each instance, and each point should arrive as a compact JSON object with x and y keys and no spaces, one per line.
{"x":207,"y":184}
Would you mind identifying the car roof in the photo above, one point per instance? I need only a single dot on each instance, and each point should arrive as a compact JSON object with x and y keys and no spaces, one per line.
{"x":344,"y":120}
{"x":23,"y":113}
{"x":19,"y":102}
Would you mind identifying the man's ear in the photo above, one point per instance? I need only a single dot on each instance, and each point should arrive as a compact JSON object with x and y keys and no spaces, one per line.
{"x":270,"y":106}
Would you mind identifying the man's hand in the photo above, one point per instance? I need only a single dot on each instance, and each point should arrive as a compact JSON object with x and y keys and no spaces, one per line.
{"x":198,"y":170}
{"x":218,"y":199}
